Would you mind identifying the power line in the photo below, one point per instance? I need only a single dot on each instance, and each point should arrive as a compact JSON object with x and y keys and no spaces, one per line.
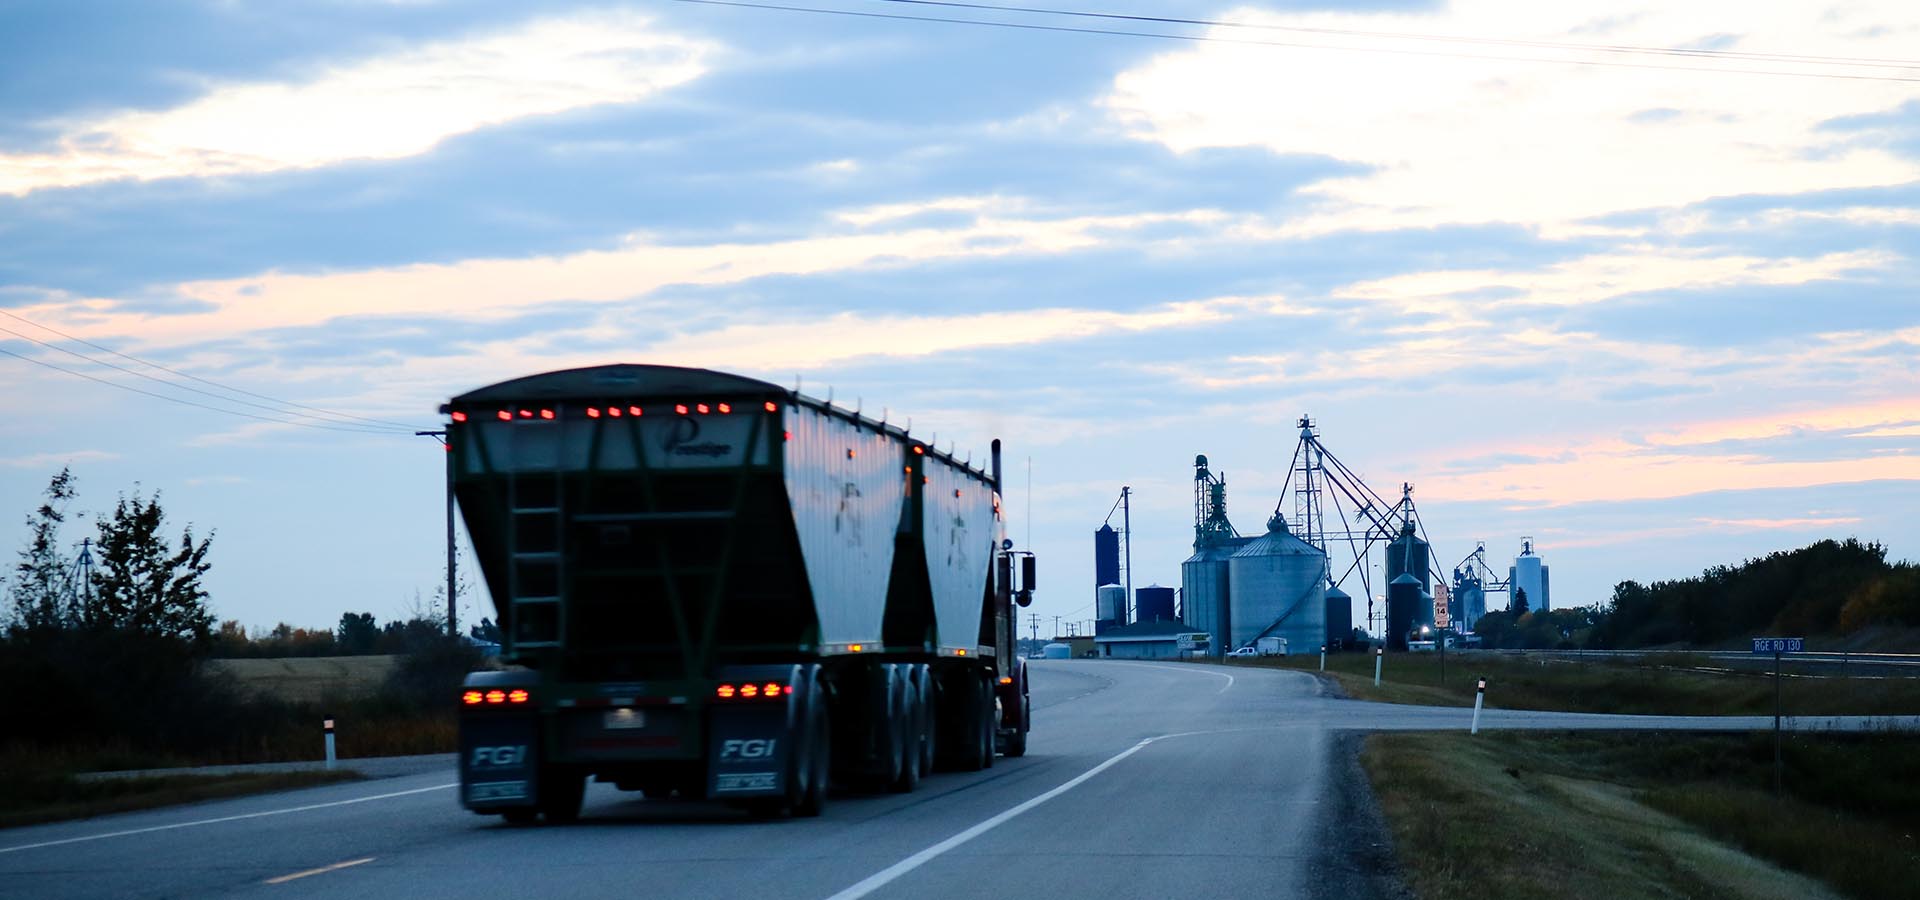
{"x":179,"y":387}
{"x":1701,"y":52}
{"x":183,"y":402}
{"x":1300,"y":45}
{"x":149,"y":363}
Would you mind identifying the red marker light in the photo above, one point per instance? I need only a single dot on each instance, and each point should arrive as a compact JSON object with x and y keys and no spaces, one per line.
{"x":749,"y":690}
{"x":787,"y":690}
{"x":546,"y":414}
{"x":725,"y":691}
{"x":526,"y":414}
{"x":680,"y":408}
{"x":956,"y":493}
{"x":613,"y":411}
{"x":471,"y":698}
{"x":459,"y":416}
{"x":517,"y":695}
{"x":700,"y":408}
{"x":506,"y":416}
{"x":725,"y":408}
{"x":772,"y":407}
{"x":786,"y":435}
{"x":496,"y":696}
{"x":634,"y":410}
{"x":593,"y":412}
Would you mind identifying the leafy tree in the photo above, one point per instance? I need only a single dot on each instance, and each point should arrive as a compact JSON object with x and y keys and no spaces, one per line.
{"x":1519,"y":605}
{"x":42,"y":586}
{"x":485,"y":631}
{"x":143,"y":586}
{"x":357,"y":633}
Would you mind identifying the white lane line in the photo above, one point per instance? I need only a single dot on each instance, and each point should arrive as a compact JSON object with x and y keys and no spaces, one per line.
{"x":256,"y":815}
{"x":885,"y":876}
{"x":1223,"y":688}
{"x":320,"y":871}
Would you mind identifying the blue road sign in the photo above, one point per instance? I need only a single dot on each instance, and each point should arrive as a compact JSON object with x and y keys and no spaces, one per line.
{"x":1769,"y":646}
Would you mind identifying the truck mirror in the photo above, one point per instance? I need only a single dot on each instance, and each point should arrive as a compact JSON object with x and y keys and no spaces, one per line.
{"x":1024,"y":598}
{"x":1003,"y":573}
{"x":1027,"y":569}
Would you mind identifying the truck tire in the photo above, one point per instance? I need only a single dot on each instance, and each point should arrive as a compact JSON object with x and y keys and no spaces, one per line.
{"x":520,"y":815}
{"x":989,"y":723}
{"x":561,"y":792}
{"x":928,"y":724}
{"x":813,"y":800}
{"x":1017,"y":737}
{"x":911,"y":728}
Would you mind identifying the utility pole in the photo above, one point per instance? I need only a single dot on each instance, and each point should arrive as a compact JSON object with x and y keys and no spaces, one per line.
{"x":1034,"y":620}
{"x":1056,"y":625}
{"x":1126,"y":530}
{"x":453,"y":624}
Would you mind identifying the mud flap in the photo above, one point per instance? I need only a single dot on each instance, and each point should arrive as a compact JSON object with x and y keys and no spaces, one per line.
{"x":749,"y":749}
{"x":499,"y":762}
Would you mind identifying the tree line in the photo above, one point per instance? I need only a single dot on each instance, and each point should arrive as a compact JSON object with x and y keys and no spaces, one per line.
{"x":1827,"y":588}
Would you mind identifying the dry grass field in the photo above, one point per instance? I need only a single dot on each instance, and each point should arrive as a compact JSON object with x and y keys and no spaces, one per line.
{"x":315,"y":679}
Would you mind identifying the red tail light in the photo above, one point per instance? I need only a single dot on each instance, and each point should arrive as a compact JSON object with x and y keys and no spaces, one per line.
{"x":471,"y":698}
{"x":459,"y":417}
{"x":725,"y":691}
{"x":496,"y":696}
{"x":772,"y":406}
{"x":680,"y":408}
{"x":726,"y":408}
{"x":749,"y":690}
{"x":518,"y":696}
{"x":593,"y":412}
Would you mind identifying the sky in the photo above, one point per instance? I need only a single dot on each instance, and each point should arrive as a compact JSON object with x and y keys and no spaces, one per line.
{"x":1636,"y":280}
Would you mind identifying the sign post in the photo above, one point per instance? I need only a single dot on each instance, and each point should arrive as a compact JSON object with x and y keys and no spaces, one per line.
{"x":1778,"y":646}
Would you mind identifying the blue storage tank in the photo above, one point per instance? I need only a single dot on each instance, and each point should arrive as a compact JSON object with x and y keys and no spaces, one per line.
{"x":1339,"y":616}
{"x":1153,"y":603}
{"x":1106,"y":556}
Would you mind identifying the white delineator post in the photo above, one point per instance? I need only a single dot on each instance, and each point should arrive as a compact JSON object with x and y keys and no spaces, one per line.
{"x":327,"y":724}
{"x":1379,"y":653}
{"x":1479,"y":698}
{"x":1323,"y":657}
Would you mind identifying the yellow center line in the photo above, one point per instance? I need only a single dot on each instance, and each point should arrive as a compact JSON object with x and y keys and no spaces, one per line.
{"x":320,"y":871}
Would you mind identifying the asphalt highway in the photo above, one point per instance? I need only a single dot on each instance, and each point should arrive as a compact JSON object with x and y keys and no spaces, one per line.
{"x":1141,"y":780}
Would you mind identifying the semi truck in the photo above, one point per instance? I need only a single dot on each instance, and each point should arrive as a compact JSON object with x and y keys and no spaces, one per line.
{"x":711,"y":587}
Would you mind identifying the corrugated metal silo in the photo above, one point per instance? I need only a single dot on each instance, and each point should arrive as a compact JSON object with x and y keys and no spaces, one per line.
{"x":1471,"y":594}
{"x":1339,"y":616}
{"x":1276,"y":589}
{"x":1204,"y":580}
{"x":1153,"y":603}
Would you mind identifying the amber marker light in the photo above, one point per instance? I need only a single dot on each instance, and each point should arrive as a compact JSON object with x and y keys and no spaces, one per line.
{"x":518,"y":695}
{"x":1006,"y":679}
{"x":725,"y":691}
{"x":749,"y":690}
{"x":472,"y":698}
{"x":496,"y":696}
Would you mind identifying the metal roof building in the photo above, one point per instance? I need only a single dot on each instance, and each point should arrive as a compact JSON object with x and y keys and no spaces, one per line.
{"x":1161,"y":639}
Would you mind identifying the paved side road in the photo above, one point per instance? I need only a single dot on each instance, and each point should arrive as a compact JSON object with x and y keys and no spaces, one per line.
{"x":1142,"y":780}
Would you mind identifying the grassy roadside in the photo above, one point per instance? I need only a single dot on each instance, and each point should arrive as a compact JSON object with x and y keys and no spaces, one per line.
{"x":28,"y":798}
{"x":1669,"y":686}
{"x":1625,"y":816}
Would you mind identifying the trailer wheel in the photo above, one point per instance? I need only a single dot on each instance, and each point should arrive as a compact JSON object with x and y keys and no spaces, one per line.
{"x":561,"y":792}
{"x":520,"y":815}
{"x":912,"y":734}
{"x":989,"y":723}
{"x":813,"y":799}
{"x":929,"y":723}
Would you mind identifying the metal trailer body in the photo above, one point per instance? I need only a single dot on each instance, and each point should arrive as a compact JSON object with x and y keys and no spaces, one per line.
{"x":713,"y":587}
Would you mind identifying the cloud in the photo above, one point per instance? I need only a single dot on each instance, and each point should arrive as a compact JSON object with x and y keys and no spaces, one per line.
{"x":380,"y":108}
{"x":483,"y":288}
{"x":1696,"y":458}
{"x":1447,"y":139}
{"x":47,"y":460}
{"x":1771,"y":524}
